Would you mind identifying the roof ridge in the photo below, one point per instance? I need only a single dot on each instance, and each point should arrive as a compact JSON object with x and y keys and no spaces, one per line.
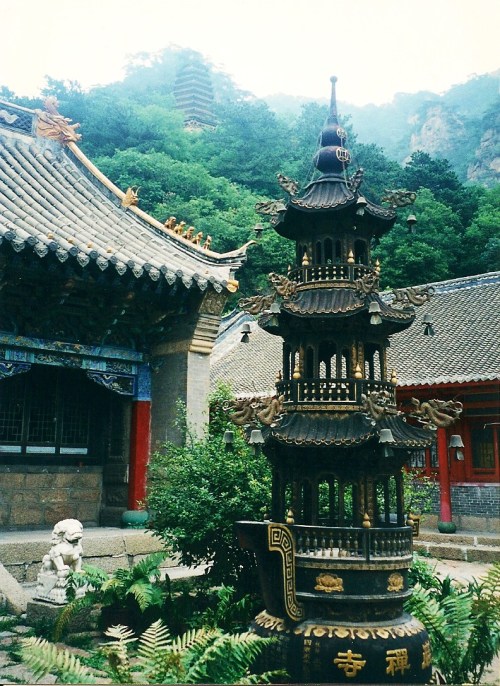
{"x":464,"y":281}
{"x":17,"y":107}
{"x":210,"y":255}
{"x":141,"y":214}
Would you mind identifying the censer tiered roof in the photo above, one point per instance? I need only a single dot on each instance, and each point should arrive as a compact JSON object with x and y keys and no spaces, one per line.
{"x":333,"y":190}
{"x":331,"y":299}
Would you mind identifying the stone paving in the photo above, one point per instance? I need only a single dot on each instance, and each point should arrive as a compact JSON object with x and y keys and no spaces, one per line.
{"x":11,"y":671}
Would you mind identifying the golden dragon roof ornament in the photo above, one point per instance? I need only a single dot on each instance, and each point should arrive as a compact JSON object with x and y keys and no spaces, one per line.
{"x":51,"y":124}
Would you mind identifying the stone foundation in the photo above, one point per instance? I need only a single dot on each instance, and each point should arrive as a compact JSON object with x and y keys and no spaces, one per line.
{"x":22,"y":552}
{"x":37,"y":497}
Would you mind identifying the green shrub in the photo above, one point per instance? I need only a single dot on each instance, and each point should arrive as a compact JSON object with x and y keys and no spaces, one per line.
{"x":198,"y":491}
{"x":423,"y":573}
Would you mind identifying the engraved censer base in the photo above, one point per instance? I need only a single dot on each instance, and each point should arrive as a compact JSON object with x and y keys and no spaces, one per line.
{"x":320,"y":651}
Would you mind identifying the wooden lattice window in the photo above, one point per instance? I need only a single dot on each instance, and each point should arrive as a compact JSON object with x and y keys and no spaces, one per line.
{"x":51,"y":412}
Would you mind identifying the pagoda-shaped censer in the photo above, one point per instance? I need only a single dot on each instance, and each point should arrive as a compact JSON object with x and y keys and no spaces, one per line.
{"x":333,"y":558}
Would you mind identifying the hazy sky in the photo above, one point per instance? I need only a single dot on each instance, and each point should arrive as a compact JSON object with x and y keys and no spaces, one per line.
{"x":375,"y":47}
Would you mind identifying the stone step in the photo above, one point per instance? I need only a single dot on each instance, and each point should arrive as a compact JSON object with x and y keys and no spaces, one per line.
{"x":468,"y":538}
{"x":467,"y":546}
{"x":458,"y":551}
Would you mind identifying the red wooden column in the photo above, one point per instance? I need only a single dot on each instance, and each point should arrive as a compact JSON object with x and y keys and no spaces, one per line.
{"x":140,"y":440}
{"x":444,"y":476}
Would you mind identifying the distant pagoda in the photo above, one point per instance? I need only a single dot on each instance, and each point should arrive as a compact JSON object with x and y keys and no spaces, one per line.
{"x":333,"y":561}
{"x":194,"y":95}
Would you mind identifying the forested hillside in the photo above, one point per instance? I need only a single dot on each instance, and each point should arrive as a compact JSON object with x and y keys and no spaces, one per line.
{"x":212,"y":178}
{"x":461,"y":125}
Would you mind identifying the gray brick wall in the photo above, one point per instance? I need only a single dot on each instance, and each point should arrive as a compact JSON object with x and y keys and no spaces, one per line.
{"x":475,"y":507}
{"x":478,"y":500}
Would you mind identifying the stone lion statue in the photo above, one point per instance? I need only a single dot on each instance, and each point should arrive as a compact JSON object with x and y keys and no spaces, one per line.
{"x":64,"y":556}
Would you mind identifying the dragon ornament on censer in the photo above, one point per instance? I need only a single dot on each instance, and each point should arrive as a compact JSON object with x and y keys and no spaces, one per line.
{"x":332,"y":558}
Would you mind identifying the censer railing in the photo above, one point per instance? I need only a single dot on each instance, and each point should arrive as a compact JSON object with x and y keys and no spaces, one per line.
{"x":341,"y":391}
{"x":343,"y":272}
{"x":352,"y":542}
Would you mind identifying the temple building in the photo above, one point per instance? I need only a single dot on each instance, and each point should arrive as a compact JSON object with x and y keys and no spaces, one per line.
{"x":107,"y":318}
{"x":460,"y":361}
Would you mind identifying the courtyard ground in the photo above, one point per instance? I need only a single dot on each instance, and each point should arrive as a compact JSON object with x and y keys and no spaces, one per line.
{"x":11,"y":672}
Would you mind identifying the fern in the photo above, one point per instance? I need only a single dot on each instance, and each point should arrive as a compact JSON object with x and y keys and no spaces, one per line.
{"x":227,"y":658}
{"x":155,"y":654}
{"x":71,"y":610}
{"x":190,"y":639}
{"x":199,"y":656}
{"x":270,"y":677}
{"x":117,"y":652}
{"x":463,"y":625}
{"x":43,"y":657}
{"x":148,"y":567}
{"x":490,"y":586}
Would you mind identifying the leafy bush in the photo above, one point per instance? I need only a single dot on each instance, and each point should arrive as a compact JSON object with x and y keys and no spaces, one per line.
{"x":199,"y":656}
{"x":423,"y":573}
{"x":463,"y":624}
{"x":198,"y":491}
{"x":418,"y":491}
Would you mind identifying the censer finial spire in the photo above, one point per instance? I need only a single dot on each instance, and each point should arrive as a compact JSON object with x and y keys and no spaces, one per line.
{"x":333,"y":101}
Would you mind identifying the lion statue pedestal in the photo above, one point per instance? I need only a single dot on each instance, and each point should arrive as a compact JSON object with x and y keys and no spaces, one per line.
{"x":64,"y":556}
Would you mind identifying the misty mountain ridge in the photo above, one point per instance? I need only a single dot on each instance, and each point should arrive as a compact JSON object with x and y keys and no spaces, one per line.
{"x":462,"y":125}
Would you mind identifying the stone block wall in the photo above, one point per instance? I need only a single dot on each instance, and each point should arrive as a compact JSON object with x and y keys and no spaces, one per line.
{"x":37,"y":497}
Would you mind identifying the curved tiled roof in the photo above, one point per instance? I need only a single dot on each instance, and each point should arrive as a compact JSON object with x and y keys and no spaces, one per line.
{"x":53,"y":199}
{"x":466,"y":344}
{"x":465,"y":347}
{"x":326,"y":193}
{"x":321,"y":301}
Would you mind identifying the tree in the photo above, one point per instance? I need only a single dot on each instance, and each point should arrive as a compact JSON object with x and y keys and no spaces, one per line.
{"x":423,"y":171}
{"x":304,"y":141}
{"x":482,"y":237}
{"x":248,"y":146}
{"x":433,"y":253}
{"x":272,"y":254}
{"x":379,"y":171}
{"x":198,"y":491}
